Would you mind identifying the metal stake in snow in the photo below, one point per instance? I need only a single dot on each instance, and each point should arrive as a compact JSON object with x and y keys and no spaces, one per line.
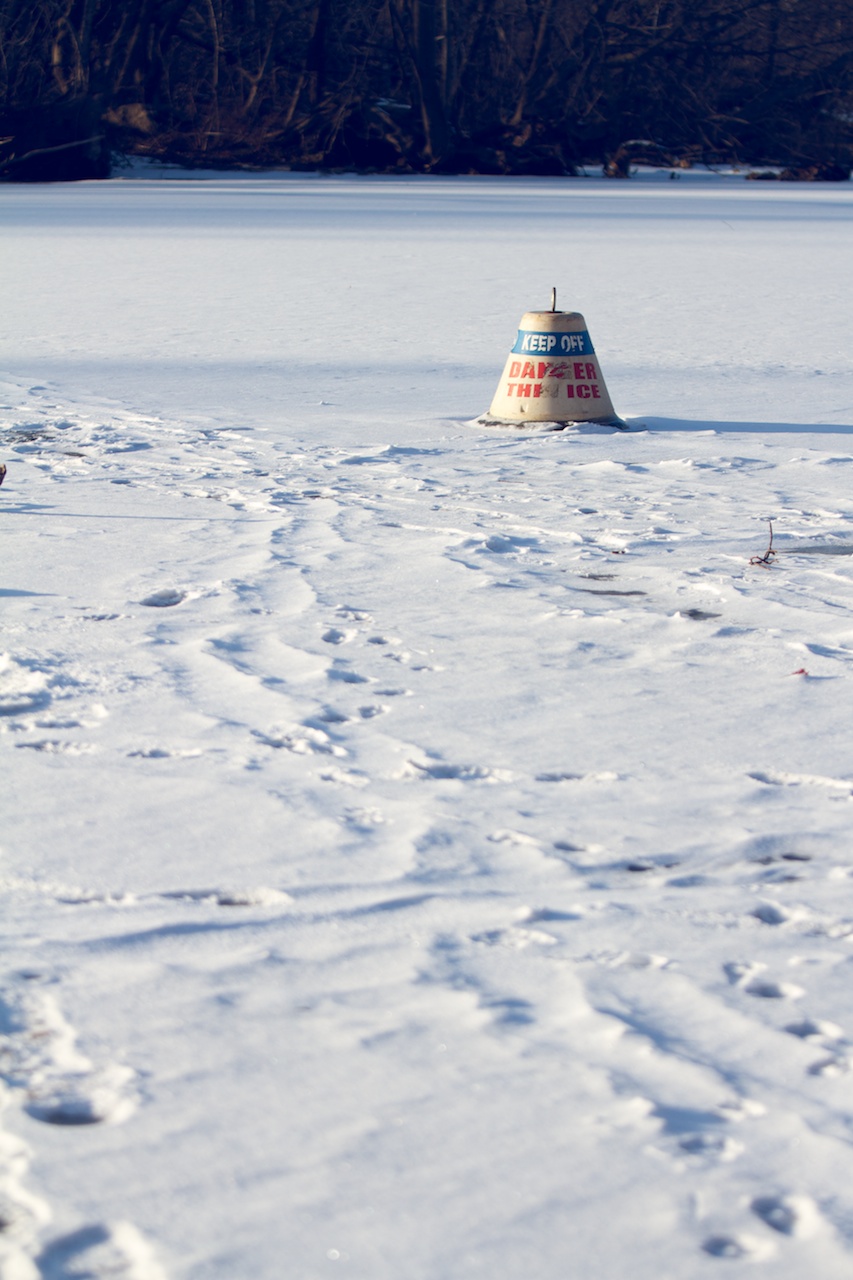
{"x":552,"y":375}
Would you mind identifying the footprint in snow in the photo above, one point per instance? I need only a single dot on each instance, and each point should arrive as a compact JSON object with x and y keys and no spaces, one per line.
{"x":739,"y":1109}
{"x":345,"y":777}
{"x":607,"y":591}
{"x":789,"y":1215}
{"x":302,"y":741}
{"x":90,"y":1098}
{"x":782,"y":874}
{"x":415,"y":659}
{"x":23,"y":688}
{"x":370,"y":711}
{"x":40,"y":1056}
{"x":335,"y":636}
{"x":354,"y":615}
{"x":331,"y":715}
{"x":696,"y":881}
{"x":565,"y":775}
{"x":830,"y":1067}
{"x":774,"y":913}
{"x":366,"y":819}
{"x":815,"y":1030}
{"x":505,"y":835}
{"x":345,"y":676}
{"x":54,"y":747}
{"x":767,"y":989}
{"x":711,"y":1146}
{"x":698,"y":1133}
{"x":733,"y":1247}
{"x":100,"y":1252}
{"x":22,"y":1215}
{"x":547,"y":915}
{"x":747,"y":976}
{"x":739,"y":972}
{"x":439,"y":771}
{"x":631,"y":960}
{"x":515,"y":937}
{"x":770,"y":778}
{"x":257,"y":897}
{"x":165,"y":753}
{"x":506,"y":544}
{"x":165,"y":598}
{"x":509,"y":1011}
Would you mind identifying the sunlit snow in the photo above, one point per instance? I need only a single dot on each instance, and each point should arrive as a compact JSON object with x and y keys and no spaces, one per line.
{"x":426,"y":848}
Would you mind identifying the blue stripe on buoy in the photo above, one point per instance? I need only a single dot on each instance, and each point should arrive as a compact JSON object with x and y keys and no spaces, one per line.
{"x":529,"y":342}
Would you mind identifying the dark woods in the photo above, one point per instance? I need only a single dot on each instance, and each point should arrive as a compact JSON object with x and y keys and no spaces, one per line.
{"x":448,"y":86}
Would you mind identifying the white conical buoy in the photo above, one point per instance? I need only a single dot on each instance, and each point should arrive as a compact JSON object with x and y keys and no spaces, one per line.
{"x":552,"y":375}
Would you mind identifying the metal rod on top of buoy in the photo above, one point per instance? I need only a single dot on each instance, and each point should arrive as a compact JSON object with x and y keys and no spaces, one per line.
{"x":552,"y":375}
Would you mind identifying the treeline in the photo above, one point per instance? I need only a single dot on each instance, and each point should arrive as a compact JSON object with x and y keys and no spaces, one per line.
{"x":451,"y":86}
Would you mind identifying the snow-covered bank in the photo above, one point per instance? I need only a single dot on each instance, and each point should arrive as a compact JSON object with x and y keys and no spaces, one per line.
{"x":426,"y":849}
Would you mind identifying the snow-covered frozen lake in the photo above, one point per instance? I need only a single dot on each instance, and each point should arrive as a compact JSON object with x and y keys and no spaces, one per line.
{"x":426,"y":849}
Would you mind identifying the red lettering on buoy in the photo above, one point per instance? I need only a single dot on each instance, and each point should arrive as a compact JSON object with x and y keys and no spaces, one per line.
{"x":552,"y":350}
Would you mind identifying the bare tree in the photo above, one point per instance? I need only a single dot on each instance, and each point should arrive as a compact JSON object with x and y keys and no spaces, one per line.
{"x":455,"y":85}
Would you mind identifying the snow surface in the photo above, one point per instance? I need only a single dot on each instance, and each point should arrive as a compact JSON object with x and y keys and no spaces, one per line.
{"x":426,"y":848}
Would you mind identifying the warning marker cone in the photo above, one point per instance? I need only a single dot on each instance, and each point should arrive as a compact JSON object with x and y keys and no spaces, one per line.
{"x":552,"y":375}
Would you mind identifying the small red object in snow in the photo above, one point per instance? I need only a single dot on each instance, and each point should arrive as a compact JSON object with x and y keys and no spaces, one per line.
{"x":801,"y":672}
